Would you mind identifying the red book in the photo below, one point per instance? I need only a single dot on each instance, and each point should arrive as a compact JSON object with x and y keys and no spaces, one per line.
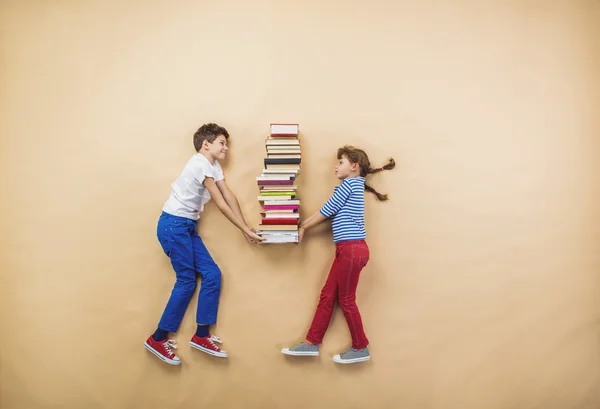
{"x":279,"y":221}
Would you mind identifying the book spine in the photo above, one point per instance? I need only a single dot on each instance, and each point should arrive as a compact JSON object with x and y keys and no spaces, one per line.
{"x":279,"y":221}
{"x":275,"y":182}
{"x":282,"y":161}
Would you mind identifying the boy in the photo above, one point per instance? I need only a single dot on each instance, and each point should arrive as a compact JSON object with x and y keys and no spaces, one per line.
{"x":201,"y":179}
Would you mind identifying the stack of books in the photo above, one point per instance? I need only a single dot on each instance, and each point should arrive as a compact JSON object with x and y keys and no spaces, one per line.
{"x":277,"y":185}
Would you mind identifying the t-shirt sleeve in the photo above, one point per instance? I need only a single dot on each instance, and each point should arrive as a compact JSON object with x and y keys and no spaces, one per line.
{"x":337,"y":200}
{"x":204,"y":171}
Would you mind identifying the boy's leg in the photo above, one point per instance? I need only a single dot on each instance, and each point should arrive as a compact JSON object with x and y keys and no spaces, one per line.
{"x":353,"y":257}
{"x":324,"y":310}
{"x":174,"y":236}
{"x":208,"y":299}
{"x":176,"y":240}
{"x":210,"y":288}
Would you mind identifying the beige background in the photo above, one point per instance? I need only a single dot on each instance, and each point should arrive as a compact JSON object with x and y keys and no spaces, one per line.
{"x":483,"y":289}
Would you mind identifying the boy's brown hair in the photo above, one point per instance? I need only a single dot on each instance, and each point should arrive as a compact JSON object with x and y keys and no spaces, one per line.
{"x":208,"y":132}
{"x":359,"y":156}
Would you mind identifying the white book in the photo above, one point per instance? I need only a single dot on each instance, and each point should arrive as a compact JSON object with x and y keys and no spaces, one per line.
{"x":274,"y":156}
{"x":284,"y":129}
{"x":275,"y":177}
{"x":277,"y":233}
{"x":283,"y":142}
{"x":278,"y":211}
{"x":281,"y":202}
{"x":282,"y":215}
{"x":284,"y":148}
{"x":277,"y":171}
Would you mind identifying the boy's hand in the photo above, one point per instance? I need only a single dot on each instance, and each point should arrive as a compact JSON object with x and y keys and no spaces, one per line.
{"x":252,"y":237}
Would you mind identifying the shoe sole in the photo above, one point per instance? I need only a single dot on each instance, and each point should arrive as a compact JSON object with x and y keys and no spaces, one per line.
{"x":350,"y":361}
{"x":286,"y":351}
{"x":160,"y":356}
{"x":208,"y":351}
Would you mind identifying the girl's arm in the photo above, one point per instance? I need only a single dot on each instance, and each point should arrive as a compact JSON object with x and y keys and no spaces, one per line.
{"x":330,"y":208}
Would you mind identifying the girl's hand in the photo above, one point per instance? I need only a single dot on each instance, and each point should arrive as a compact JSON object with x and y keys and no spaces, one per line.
{"x":300,"y":234}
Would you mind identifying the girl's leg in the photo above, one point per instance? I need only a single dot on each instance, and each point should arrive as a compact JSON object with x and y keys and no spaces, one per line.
{"x":352,"y":258}
{"x":322,"y":316}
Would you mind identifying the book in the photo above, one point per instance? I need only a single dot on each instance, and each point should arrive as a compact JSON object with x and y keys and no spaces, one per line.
{"x":276,"y":177}
{"x":290,"y":130}
{"x":279,"y":221}
{"x":275,"y":198}
{"x":280,"y":207}
{"x":281,"y":202}
{"x":281,"y":215}
{"x":267,"y":172}
{"x":274,"y":182}
{"x":281,"y":161}
{"x":270,"y":142}
{"x":278,"y":193}
{"x":270,"y":188}
{"x":275,"y":156}
{"x":278,"y":227}
{"x":283,"y":150}
{"x":278,"y":186}
{"x":279,"y":238}
{"x":282,"y":166}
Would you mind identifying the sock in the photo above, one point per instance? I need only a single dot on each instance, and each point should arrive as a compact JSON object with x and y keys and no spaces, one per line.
{"x":308,"y":342}
{"x":202,"y":331}
{"x":160,"y":335}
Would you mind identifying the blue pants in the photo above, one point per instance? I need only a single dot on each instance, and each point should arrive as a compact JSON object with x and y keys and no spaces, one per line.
{"x":179,"y":240}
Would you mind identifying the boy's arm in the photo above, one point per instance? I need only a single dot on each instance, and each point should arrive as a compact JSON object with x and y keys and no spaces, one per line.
{"x":234,"y":204}
{"x":216,"y":195}
{"x":230,"y":199}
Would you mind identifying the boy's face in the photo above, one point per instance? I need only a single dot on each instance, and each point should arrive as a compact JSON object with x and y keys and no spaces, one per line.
{"x":345,"y":168}
{"x":218,"y":149}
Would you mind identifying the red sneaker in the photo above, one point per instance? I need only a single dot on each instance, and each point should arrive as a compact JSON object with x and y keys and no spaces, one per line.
{"x":207,"y":344}
{"x":162,"y":349}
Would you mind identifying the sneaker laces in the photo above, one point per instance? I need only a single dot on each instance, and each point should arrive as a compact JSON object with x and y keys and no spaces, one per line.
{"x":168,"y":344}
{"x":212,"y":339}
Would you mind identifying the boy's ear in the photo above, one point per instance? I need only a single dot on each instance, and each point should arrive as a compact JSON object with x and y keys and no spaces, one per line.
{"x":205,"y":144}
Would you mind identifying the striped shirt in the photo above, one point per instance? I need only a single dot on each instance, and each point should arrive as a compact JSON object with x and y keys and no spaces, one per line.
{"x":347,"y":209}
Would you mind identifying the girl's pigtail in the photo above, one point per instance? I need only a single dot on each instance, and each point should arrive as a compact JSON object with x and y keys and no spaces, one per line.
{"x":380,"y":196}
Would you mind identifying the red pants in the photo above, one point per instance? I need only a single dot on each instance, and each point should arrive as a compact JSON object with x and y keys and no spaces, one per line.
{"x":350,"y":258}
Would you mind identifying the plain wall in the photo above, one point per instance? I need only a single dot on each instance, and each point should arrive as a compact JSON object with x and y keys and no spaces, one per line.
{"x":483,"y":287}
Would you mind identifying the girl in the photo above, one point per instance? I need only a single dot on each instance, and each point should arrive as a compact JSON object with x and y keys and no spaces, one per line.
{"x":346,"y":207}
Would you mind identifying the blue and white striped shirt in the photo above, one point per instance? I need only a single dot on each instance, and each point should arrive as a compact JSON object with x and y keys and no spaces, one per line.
{"x":347,"y":206}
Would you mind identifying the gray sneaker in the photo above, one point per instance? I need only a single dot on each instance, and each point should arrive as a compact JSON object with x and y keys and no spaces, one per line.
{"x":352,"y":356}
{"x":302,"y":349}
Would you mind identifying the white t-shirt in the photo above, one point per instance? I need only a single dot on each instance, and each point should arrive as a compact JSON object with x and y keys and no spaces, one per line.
{"x":188,"y":194}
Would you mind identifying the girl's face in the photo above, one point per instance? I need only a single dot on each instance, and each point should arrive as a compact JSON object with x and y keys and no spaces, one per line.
{"x":345,"y":168}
